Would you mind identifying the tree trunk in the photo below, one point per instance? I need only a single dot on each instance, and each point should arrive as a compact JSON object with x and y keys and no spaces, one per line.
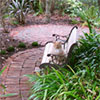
{"x":52,"y":6}
{"x":99,"y":4}
{"x":48,"y":12}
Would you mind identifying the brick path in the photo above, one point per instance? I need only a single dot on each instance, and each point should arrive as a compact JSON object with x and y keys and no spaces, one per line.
{"x":24,"y":62}
{"x":18,"y":65}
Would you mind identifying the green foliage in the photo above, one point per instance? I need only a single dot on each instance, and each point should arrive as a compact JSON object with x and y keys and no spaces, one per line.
{"x":8,"y":95}
{"x":90,"y":2}
{"x":91,"y":14}
{"x":73,"y":7}
{"x":37,"y":5}
{"x":22,"y":45}
{"x":61,"y":5}
{"x":35,"y":44}
{"x":87,"y":52}
{"x":3,"y":52}
{"x":62,"y":84}
{"x":85,"y":9}
{"x":2,"y":70}
{"x":19,"y":9}
{"x":10,"y":49}
{"x":74,"y":21}
{"x":15,"y":22}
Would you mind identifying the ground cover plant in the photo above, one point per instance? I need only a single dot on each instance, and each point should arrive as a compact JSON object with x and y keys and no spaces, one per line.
{"x":35,"y":44}
{"x":21,"y":45}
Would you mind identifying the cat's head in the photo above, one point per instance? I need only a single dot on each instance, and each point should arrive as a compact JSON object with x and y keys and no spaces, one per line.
{"x":57,"y":45}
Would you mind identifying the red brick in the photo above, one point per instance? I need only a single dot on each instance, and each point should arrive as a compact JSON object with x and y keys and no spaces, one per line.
{"x":12,"y":89}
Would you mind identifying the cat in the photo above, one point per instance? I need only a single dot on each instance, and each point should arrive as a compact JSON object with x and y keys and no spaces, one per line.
{"x":57,"y":52}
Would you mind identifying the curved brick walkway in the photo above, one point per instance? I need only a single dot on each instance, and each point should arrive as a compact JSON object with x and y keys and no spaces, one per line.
{"x":24,"y":62}
{"x":18,"y":65}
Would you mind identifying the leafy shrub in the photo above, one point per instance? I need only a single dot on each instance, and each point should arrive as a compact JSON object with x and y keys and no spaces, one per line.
{"x":62,"y":84}
{"x":91,"y":14}
{"x":36,"y":5}
{"x":74,"y":21}
{"x":73,"y":7}
{"x":3,"y":52}
{"x":19,"y":9}
{"x":10,"y":49}
{"x":22,"y":45}
{"x":90,"y":2}
{"x":15,"y":22}
{"x":35,"y":44}
{"x":88,"y":52}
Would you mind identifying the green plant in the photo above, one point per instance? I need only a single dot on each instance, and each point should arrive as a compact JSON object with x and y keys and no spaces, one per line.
{"x":15,"y":22}
{"x":3,"y":52}
{"x":87,"y":52}
{"x":90,"y":2}
{"x":90,"y":14}
{"x":35,"y":44}
{"x":10,"y":49}
{"x":37,"y":5}
{"x":19,"y":9}
{"x":22,"y":45}
{"x":74,"y":21}
{"x":63,"y":84}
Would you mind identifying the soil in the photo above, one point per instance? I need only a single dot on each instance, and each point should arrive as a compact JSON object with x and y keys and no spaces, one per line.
{"x":6,"y":41}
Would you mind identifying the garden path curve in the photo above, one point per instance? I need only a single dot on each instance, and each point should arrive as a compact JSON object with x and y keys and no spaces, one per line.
{"x":24,"y":62}
{"x":18,"y":65}
{"x":42,"y":33}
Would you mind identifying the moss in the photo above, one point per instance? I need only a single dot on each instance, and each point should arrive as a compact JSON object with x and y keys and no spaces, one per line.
{"x":11,"y":49}
{"x":3,"y":52}
{"x":21,"y":45}
{"x":35,"y":44}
